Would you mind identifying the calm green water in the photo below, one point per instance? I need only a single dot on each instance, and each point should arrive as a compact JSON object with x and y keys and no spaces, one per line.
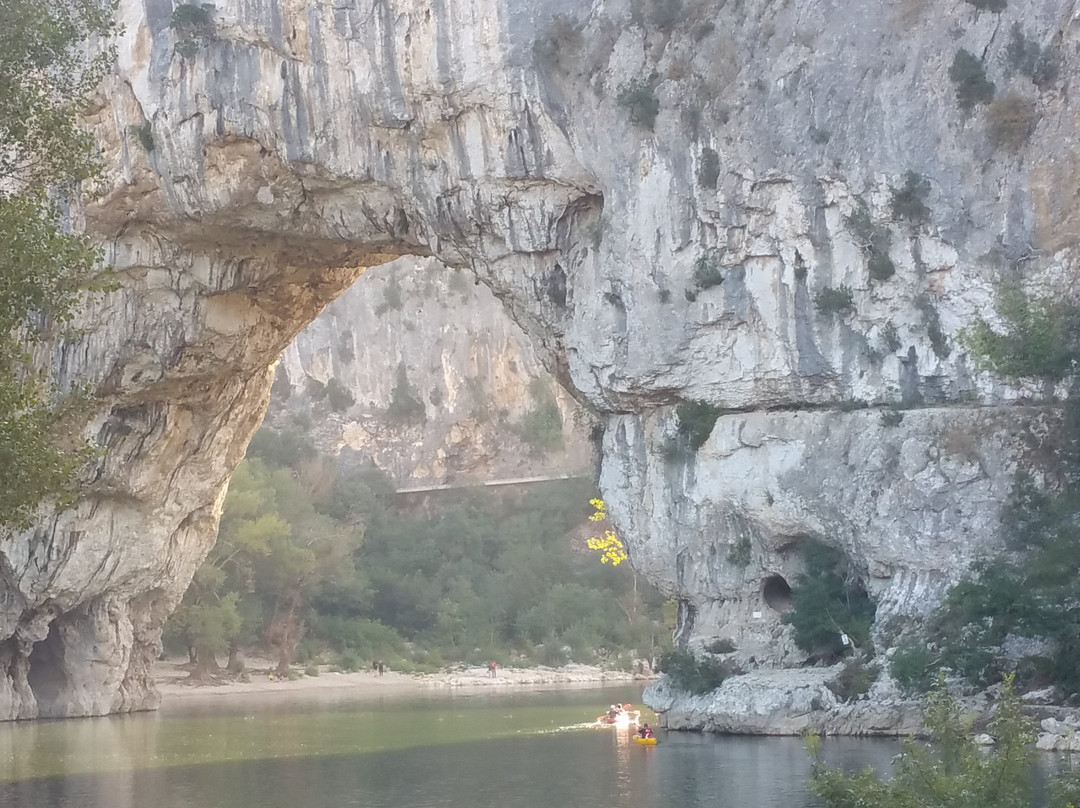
{"x":491,"y":749}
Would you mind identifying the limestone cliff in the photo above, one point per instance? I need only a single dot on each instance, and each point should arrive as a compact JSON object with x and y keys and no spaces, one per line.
{"x":419,"y":371}
{"x":296,"y":142}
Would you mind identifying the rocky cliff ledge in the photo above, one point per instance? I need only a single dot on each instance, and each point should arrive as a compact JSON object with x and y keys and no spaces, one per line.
{"x":657,"y":190}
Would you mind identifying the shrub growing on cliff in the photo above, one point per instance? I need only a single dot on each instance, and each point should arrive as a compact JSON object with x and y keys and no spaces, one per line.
{"x":559,"y":42}
{"x":707,"y":271}
{"x":696,"y":421}
{"x":1036,"y":338}
{"x":708,"y":168}
{"x":194,"y":27}
{"x":834,"y":299}
{"x":405,"y":404}
{"x":1025,"y":56}
{"x":688,"y":672}
{"x":873,"y":239}
{"x":909,"y":200}
{"x":741,"y":552}
{"x":338,"y":395}
{"x":853,"y":681}
{"x":542,"y":427}
{"x":938,"y":341}
{"x":969,"y":77}
{"x":639,"y":98}
{"x":828,"y":601}
{"x":914,"y":667}
{"x":997,"y":6}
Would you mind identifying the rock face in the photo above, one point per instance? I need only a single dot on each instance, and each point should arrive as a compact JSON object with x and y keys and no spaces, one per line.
{"x":650,"y":262}
{"x":786,"y":702}
{"x":420,"y":372}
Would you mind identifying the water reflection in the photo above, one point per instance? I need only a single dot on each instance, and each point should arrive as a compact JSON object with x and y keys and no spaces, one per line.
{"x":475,"y":753}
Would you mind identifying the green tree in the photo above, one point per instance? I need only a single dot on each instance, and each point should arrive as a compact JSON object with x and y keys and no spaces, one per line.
{"x":952,"y":771}
{"x":46,"y":78}
{"x":827,"y":601}
{"x":1037,"y":338}
{"x":274,"y":553}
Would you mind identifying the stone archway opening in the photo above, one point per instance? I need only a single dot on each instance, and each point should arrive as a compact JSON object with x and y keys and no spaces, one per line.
{"x":777,"y":593}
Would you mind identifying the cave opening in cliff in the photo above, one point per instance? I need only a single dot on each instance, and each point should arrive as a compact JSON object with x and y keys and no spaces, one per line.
{"x":777,"y":593}
{"x":46,"y":673}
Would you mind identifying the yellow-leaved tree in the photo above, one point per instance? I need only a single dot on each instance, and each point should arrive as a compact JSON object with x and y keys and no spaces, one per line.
{"x":609,"y":545}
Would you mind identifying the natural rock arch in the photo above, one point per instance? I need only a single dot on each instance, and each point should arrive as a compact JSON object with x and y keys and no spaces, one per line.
{"x":300,"y":145}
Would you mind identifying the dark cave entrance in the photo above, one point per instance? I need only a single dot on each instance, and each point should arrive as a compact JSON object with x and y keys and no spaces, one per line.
{"x":777,"y":593}
{"x":46,"y":675}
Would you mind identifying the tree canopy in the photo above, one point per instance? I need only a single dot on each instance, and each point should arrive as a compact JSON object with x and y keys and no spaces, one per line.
{"x":47,"y":74}
{"x":313,"y":562}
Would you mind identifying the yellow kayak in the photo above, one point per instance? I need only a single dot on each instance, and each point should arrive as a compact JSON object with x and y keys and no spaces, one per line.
{"x":644,"y":741}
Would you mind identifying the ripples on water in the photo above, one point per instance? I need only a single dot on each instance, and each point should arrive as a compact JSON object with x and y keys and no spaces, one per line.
{"x":530,"y":750}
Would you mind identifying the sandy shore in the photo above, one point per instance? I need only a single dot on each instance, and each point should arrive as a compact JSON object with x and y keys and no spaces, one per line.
{"x":175,"y":684}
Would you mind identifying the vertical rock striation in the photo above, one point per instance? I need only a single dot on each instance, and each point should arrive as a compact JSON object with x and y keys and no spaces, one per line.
{"x":295,"y":143}
{"x":420,"y":371}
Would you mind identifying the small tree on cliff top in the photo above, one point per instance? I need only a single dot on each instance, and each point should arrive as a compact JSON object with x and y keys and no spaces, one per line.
{"x":46,"y":78}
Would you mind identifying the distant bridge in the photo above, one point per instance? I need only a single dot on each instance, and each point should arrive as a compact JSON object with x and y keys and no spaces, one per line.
{"x":421,"y":489}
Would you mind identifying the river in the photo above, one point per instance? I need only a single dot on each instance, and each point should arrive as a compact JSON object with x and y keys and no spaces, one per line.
{"x":474,"y":750}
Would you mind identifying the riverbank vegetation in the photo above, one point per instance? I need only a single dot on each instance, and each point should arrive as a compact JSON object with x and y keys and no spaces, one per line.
{"x":1019,"y":613}
{"x":315,"y":563}
{"x":829,"y":603}
{"x":953,"y":770}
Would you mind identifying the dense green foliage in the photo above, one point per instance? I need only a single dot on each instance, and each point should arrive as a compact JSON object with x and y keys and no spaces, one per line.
{"x":1037,"y":338}
{"x":834,"y":299}
{"x":909,"y":201}
{"x":1029,"y":595}
{"x":694,"y":674}
{"x":874,"y":240}
{"x":310,"y":561}
{"x":952,"y":771}
{"x":853,"y":681}
{"x":829,"y":600}
{"x":194,"y":27}
{"x":911,"y":665}
{"x":969,"y":77}
{"x":1031,"y":592}
{"x":46,"y":78}
{"x":696,"y":421}
{"x":1041,"y":65}
{"x":639,"y":97}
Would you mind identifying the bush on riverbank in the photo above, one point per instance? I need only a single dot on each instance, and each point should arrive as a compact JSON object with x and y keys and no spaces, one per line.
{"x":697,"y":675}
{"x":952,"y":770}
